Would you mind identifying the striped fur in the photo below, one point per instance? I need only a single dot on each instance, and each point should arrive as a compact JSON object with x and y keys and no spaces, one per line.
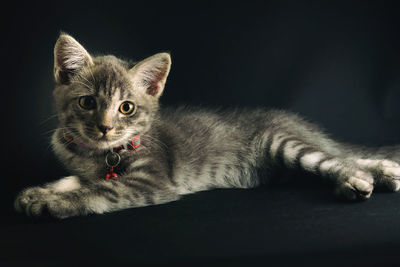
{"x":183,"y":150}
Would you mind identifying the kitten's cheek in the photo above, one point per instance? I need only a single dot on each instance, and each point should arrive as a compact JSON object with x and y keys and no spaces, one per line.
{"x":85,"y":135}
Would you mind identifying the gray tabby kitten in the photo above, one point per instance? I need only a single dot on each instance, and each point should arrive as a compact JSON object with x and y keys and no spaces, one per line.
{"x":124,"y":152}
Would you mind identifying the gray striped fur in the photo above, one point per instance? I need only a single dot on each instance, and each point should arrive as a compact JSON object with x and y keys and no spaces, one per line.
{"x":183,"y":150}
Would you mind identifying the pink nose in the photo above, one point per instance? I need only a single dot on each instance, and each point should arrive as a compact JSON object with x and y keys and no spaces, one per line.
{"x":105,"y":128}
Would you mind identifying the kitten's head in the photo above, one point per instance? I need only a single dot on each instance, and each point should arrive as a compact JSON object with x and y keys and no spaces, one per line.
{"x":104,"y":101}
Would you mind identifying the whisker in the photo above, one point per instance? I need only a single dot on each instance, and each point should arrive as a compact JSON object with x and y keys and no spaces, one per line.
{"x":53,"y":130}
{"x":48,"y":118}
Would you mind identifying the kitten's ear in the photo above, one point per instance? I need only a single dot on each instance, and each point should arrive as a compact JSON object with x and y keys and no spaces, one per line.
{"x":151,"y":74}
{"x":69,"y":58}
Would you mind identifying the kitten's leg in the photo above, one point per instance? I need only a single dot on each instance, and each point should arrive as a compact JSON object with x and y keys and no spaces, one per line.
{"x":64,"y":199}
{"x":30,"y":199}
{"x":350,"y":178}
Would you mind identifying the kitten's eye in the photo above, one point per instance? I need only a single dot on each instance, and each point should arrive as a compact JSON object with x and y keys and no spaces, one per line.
{"x":87,"y":102}
{"x":127,"y":108}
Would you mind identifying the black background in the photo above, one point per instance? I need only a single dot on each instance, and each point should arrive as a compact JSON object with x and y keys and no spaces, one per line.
{"x":336,"y":63}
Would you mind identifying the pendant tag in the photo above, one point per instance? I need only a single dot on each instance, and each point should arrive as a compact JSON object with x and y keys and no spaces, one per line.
{"x":112,"y":160}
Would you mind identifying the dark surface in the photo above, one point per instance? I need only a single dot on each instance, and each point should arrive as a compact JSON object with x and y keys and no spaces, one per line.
{"x":294,"y":224}
{"x":336,"y":63}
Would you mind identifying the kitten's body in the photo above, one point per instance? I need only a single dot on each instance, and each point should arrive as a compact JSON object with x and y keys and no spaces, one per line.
{"x":184,"y":150}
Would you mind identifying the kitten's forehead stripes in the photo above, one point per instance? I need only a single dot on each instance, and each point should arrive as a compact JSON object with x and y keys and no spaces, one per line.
{"x":109,"y":78}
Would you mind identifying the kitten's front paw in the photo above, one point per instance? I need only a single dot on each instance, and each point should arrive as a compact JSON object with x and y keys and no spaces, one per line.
{"x":34,"y":201}
{"x":31,"y":201}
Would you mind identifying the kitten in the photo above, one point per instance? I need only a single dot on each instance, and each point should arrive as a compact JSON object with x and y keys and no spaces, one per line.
{"x":124,"y":152}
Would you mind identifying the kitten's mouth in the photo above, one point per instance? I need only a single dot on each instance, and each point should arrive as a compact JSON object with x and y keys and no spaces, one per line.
{"x":102,"y":138}
{"x":98,"y":142}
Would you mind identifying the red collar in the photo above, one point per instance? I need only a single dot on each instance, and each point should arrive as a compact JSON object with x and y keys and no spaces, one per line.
{"x":112,"y":158}
{"x":131,"y":145}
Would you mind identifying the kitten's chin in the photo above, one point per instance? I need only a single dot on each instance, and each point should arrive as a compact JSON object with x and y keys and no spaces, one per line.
{"x":104,"y":144}
{"x":100,"y":143}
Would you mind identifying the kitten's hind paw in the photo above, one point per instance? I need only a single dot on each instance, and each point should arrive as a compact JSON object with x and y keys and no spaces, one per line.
{"x":354,"y":188}
{"x":388,"y":175}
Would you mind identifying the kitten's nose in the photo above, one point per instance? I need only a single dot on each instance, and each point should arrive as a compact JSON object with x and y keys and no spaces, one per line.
{"x":104,"y":128}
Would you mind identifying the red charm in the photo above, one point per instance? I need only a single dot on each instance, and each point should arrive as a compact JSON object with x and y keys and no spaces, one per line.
{"x":111,"y":174}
